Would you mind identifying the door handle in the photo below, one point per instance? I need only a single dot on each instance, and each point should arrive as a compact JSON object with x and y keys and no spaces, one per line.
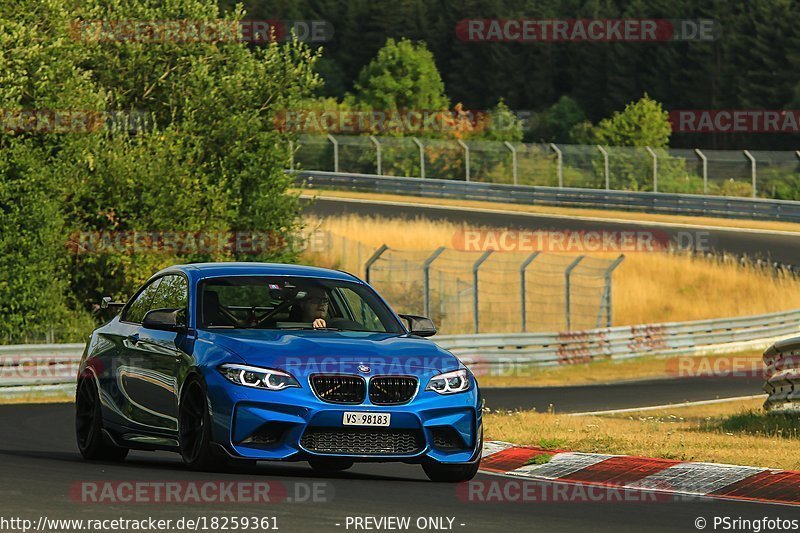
{"x":133,"y":339}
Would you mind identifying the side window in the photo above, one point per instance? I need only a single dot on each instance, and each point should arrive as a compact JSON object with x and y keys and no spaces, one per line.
{"x":136,"y":311}
{"x":172,"y":293}
{"x":362,"y":313}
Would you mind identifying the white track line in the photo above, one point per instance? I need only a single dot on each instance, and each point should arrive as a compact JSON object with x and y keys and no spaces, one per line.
{"x":734,"y":229}
{"x":669,"y":405}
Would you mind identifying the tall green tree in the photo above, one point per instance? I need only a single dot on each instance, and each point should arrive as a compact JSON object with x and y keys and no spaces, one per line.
{"x":403,"y":75}
{"x":641,"y":123}
{"x":209,"y":160}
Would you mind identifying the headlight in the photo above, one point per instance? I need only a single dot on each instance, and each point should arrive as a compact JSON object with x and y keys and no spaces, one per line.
{"x":259,"y":378}
{"x":450,"y":382}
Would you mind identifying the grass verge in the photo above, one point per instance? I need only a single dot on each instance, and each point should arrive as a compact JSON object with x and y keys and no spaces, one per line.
{"x":737,"y":432}
{"x":609,"y":371}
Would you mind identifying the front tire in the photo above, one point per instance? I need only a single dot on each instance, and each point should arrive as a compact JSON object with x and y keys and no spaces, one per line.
{"x":450,"y":473}
{"x":194,"y":427}
{"x":89,"y":425}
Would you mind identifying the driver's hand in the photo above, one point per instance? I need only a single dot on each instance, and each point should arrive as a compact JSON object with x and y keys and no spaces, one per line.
{"x":319,"y":323}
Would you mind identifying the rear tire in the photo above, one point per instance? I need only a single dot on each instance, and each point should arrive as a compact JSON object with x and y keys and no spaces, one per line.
{"x":330,"y":466}
{"x":450,"y":473}
{"x":194,"y":427}
{"x":92,"y":444}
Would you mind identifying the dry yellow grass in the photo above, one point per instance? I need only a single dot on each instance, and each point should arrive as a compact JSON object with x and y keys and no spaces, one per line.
{"x":38,"y":397}
{"x":733,"y":433}
{"x":609,"y":371}
{"x":565,"y":211}
{"x":648,"y":287}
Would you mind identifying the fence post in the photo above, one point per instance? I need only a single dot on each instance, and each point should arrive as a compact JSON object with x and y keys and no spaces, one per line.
{"x":560,"y":165}
{"x":605,"y":166}
{"x":704,"y":159}
{"x":374,"y":257}
{"x":752,"y":159}
{"x":607,"y":291}
{"x":522,"y":292}
{"x":426,"y":279}
{"x":475,"y":268}
{"x":377,"y":153}
{"x":513,"y":160}
{"x":567,"y":273}
{"x":421,"y":157}
{"x":655,"y":167}
{"x":335,"y":143}
{"x":466,"y":158}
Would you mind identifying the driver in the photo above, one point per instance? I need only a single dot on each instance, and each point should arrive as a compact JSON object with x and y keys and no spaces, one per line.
{"x":314,"y":307}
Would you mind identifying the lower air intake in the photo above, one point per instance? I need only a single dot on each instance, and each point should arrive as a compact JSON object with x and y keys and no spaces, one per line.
{"x":362,"y":441}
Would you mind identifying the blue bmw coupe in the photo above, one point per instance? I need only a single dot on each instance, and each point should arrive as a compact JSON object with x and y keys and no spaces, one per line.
{"x":256,"y":361}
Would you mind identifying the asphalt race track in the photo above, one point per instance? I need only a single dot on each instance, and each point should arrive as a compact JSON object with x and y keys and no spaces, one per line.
{"x":44,"y":476}
{"x":41,"y":466}
{"x":620,"y":395}
{"x":783,"y":248}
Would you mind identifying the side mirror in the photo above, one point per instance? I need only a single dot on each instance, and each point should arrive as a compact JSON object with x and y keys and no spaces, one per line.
{"x":165,"y":320}
{"x":419,"y":325}
{"x":106,"y":303}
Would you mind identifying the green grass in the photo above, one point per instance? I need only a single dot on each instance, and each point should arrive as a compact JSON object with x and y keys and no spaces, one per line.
{"x":539,"y":459}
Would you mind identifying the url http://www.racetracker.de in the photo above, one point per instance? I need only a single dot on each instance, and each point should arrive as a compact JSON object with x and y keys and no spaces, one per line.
{"x":44,"y":524}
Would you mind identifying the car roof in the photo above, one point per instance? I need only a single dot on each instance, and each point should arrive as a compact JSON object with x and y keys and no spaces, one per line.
{"x":209,"y":270}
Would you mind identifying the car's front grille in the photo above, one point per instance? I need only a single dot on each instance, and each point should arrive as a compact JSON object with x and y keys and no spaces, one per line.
{"x":335,"y":388}
{"x":362,"y":441}
{"x":388,"y":390}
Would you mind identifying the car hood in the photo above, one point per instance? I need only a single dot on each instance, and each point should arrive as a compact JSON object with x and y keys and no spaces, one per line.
{"x":305,"y":352}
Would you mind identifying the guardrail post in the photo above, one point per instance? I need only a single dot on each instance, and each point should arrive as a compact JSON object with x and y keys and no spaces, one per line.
{"x":335,"y":143}
{"x":475,"y":268}
{"x":752,"y":159}
{"x":655,"y":167}
{"x":426,"y":279}
{"x":607,"y":288}
{"x":377,"y":153}
{"x":466,"y":158}
{"x":560,"y":159}
{"x":605,"y":166}
{"x":421,"y":157}
{"x":374,"y":257}
{"x":567,"y":273}
{"x":704,"y":159}
{"x":513,"y":160}
{"x":522,"y":292}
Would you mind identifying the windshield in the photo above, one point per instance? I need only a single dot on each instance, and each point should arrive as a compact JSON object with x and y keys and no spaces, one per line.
{"x":285,"y":302}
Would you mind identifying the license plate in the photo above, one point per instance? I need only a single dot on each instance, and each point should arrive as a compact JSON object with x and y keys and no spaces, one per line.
{"x":366,"y":419}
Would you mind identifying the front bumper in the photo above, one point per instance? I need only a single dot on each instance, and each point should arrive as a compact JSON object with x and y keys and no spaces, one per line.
{"x":269,"y":425}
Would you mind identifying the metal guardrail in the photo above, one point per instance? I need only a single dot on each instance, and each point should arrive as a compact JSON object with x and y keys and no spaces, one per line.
{"x":782,"y":376}
{"x":622,"y":341}
{"x":33,"y":365}
{"x":651,"y":202}
{"x":44,"y":365}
